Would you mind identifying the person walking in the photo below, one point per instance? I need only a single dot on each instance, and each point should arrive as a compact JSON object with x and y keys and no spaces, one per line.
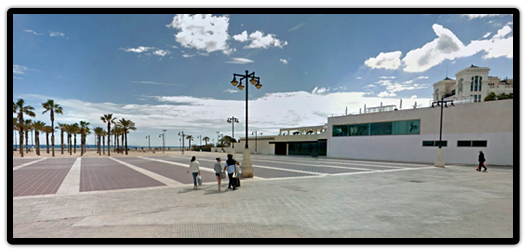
{"x":194,"y":168}
{"x":217,"y":168}
{"x":482,"y":159}
{"x":231,"y":167}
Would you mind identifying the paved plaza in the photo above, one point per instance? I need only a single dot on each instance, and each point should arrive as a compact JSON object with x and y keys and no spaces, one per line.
{"x":289,"y":197}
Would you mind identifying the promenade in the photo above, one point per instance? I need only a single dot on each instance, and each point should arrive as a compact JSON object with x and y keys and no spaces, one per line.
{"x":150,"y":195}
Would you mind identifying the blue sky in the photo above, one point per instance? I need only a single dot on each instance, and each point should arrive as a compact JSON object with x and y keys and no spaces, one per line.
{"x":173,"y":71}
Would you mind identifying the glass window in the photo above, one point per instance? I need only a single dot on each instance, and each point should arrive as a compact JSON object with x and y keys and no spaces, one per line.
{"x":471,"y":83}
{"x":444,"y":143}
{"x":359,"y":129}
{"x":406,"y":127}
{"x":382,"y":128}
{"x":480,"y":143}
{"x":340,"y":130}
{"x":428,"y":143}
{"x":476,"y":82}
{"x":463,"y":143}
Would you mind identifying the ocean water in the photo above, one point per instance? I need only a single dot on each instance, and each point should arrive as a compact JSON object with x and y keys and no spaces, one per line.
{"x":95,"y":146}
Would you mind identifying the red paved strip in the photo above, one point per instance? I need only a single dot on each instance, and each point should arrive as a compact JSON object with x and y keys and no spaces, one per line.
{"x":44,"y":177}
{"x":106,"y":174}
{"x":18,"y":162}
{"x":177,"y":173}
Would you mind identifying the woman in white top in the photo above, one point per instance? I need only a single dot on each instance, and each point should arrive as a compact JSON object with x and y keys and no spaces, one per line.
{"x":194,"y":168}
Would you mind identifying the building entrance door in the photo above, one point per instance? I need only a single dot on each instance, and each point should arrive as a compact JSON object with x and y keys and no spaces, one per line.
{"x":281,"y":148}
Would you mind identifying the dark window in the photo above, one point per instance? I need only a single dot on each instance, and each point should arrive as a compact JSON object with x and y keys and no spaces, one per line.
{"x":428,"y":143}
{"x":463,"y":143}
{"x":480,"y":143}
{"x":359,"y":129}
{"x":382,"y":128}
{"x":340,"y":130}
{"x":444,"y":143}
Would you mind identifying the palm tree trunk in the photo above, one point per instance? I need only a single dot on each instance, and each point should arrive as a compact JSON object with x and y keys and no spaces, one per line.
{"x":37,"y":140}
{"x":61,"y":141}
{"x":75,"y":144}
{"x":98,"y":145}
{"x":109,"y":136}
{"x":81,"y":145}
{"x":47,"y":142}
{"x":21,"y":135}
{"x":126,"y":142}
{"x":122,"y":140}
{"x":69,"y":143}
{"x":52,"y":136}
{"x":103,"y":151}
{"x":27,"y":141}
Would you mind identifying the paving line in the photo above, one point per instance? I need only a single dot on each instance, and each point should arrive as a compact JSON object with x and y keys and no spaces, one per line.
{"x":27,"y":164}
{"x":290,"y":170}
{"x":390,"y":170}
{"x":167,"y":181}
{"x":71,"y":184}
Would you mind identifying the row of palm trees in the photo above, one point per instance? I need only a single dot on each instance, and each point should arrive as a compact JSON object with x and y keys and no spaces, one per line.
{"x":24,"y":126}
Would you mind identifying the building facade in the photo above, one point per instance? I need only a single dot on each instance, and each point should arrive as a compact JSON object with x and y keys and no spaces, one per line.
{"x":472,"y":84}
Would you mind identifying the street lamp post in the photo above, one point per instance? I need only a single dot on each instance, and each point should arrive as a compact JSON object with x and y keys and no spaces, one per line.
{"x":148,"y":141}
{"x":256,"y":133}
{"x":232,"y":120}
{"x":246,"y":165}
{"x":200,"y":142}
{"x":164,"y":131}
{"x":182,"y":139}
{"x":439,"y":162}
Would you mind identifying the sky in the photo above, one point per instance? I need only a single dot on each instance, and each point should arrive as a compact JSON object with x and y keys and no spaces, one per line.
{"x":174,"y":71}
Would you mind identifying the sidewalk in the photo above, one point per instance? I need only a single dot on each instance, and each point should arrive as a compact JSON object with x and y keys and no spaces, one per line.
{"x":454,"y":202}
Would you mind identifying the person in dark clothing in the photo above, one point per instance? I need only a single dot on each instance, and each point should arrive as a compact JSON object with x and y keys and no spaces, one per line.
{"x":230,"y":166}
{"x":482,"y":159}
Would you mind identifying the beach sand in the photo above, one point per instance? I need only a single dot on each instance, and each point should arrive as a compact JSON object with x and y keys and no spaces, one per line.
{"x":131,"y":153}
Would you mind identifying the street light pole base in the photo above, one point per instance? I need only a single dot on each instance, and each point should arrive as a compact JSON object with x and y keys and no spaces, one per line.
{"x":247,"y":171}
{"x":439,"y":162}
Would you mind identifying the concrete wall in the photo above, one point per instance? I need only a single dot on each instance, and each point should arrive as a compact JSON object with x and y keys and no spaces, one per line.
{"x":263,"y":147}
{"x":491,"y":121}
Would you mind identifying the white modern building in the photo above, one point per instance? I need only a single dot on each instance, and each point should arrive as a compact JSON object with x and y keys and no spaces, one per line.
{"x":472,"y":84}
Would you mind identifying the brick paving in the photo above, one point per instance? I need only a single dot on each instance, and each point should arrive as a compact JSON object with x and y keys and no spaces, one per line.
{"x":41,"y":178}
{"x":177,"y":173}
{"x":18,"y":162}
{"x":105,"y":174}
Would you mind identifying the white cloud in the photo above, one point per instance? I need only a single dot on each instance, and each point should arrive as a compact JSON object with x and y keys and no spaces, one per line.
{"x":322,"y":90}
{"x":161,"y":52}
{"x":139,"y":49}
{"x":283,"y":61}
{"x":421,"y":77}
{"x":230,"y":91}
{"x":486,"y":35}
{"x":202,"y":32}
{"x":19,"y":69}
{"x":390,"y":60}
{"x":386,"y":77}
{"x":370,"y":86}
{"x":33,"y":32}
{"x":448,"y":46}
{"x":259,"y":40}
{"x":240,"y":61}
{"x":54,"y":33}
{"x":296,"y":27}
{"x":471,"y":16}
{"x":359,"y":77}
{"x":386,"y":94}
{"x":158,"y":83}
{"x":413,"y":97}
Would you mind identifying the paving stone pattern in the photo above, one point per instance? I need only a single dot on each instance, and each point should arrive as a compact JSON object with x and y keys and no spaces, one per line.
{"x":41,"y":178}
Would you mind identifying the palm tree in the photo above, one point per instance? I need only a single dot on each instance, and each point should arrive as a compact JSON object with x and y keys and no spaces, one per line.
{"x":190,"y":138}
{"x":54,"y":108}
{"x":15,"y":127}
{"x":62,"y":127}
{"x":22,"y":109}
{"x":109,"y":119}
{"x":38,"y":126}
{"x":104,"y":133}
{"x":47,"y":130}
{"x":206,"y":139}
{"x":83,"y":130}
{"x":98,"y":132}
{"x":28,"y":126}
{"x":77,"y":128}
{"x":70,"y":130}
{"x":126,"y":126}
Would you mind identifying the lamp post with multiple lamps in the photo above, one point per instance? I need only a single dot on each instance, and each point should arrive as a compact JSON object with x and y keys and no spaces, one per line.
{"x":439,"y":162}
{"x":200,"y":142}
{"x":246,"y":165}
{"x":182,"y":139}
{"x":164,"y":131}
{"x":232,"y":120}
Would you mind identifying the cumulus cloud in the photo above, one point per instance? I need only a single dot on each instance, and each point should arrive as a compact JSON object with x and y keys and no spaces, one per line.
{"x":144,"y":49}
{"x":54,"y":33}
{"x":322,"y":90}
{"x":258,"y":39}
{"x":202,"y":32}
{"x":446,"y":46}
{"x":139,"y":49}
{"x":390,"y":60}
{"x":161,"y":52}
{"x":230,"y":91}
{"x":19,"y":69}
{"x":386,"y":94}
{"x":283,"y":61}
{"x":392,"y":86}
{"x":472,"y":16}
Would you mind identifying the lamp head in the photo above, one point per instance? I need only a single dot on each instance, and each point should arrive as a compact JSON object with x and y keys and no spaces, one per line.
{"x":258,"y":85}
{"x":240,"y":87}
{"x":253,"y":80}
{"x":234,"y":81}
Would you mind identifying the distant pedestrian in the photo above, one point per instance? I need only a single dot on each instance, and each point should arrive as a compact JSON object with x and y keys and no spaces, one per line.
{"x":238,"y":169}
{"x":230,"y":166}
{"x":217,"y":168}
{"x":194,"y":168}
{"x":482,"y":159}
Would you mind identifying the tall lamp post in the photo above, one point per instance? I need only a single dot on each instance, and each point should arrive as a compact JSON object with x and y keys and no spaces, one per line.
{"x":439,"y":162}
{"x":200,"y":142}
{"x":182,"y":139}
{"x":246,"y":165}
{"x":232,"y":120}
{"x":148,"y":141}
{"x":164,"y":131}
{"x":256,"y":133}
